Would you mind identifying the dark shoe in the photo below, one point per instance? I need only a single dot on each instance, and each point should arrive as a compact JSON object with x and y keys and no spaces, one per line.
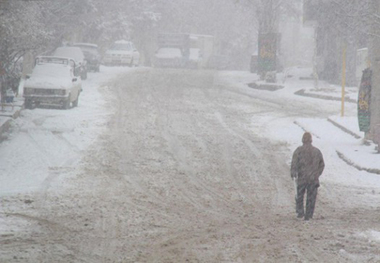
{"x":307,"y":218}
{"x":299,"y":215}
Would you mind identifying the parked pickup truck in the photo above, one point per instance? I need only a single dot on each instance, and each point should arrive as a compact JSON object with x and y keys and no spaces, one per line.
{"x":52,"y":82}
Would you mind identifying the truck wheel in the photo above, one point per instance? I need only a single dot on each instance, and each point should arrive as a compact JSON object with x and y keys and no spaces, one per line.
{"x":66,"y":103}
{"x":28,"y":104}
{"x":83,"y":76}
{"x":75,"y":102}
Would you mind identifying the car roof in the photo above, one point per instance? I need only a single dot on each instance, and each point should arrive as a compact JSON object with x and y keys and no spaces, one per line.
{"x":56,"y":71}
{"x":70,"y":52}
{"x":123,"y":42}
{"x":53,"y":60}
{"x":84,"y":45}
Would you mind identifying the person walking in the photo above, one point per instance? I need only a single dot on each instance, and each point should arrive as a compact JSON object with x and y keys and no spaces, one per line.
{"x":306,"y":168}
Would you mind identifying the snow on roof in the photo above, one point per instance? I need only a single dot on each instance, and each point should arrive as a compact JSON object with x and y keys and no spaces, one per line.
{"x":169,"y":52}
{"x":54,"y":60}
{"x":194,"y":53}
{"x":122,"y":42}
{"x":70,"y":52}
{"x":203,"y":36}
{"x":84,"y":45}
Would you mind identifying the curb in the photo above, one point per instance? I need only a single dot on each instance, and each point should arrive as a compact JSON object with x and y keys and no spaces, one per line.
{"x":4,"y":128}
{"x":9,"y":117}
{"x":344,"y":129}
{"x":340,"y":154}
{"x":304,"y":129}
{"x":324,"y":97}
{"x":14,"y":115}
{"x":265,"y":86}
{"x":349,"y":162}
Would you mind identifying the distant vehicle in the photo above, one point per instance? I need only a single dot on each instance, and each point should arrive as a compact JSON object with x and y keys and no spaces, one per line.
{"x":168,"y":57}
{"x":206,"y":46}
{"x":91,"y":55}
{"x":78,"y":56}
{"x":122,"y":53}
{"x":195,"y":58}
{"x":173,"y":50}
{"x":52,"y":82}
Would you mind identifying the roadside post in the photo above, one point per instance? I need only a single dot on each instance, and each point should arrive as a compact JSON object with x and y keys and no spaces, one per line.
{"x":343,"y":79}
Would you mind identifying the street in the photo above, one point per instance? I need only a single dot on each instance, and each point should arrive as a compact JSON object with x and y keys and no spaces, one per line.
{"x":183,"y":169}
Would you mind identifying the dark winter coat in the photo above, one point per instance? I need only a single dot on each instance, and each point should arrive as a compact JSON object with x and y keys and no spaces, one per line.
{"x":307,"y":164}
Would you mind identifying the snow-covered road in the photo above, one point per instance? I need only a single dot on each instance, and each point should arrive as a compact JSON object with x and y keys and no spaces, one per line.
{"x":177,"y":166}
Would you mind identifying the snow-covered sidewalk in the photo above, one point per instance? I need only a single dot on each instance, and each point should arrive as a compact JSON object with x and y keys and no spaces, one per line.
{"x":341,"y":132}
{"x":37,"y":145}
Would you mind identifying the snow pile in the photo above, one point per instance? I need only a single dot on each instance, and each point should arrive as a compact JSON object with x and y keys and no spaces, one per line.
{"x":371,"y":236}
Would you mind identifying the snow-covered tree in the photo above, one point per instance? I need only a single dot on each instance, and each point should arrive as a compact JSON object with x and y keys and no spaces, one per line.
{"x":341,"y":24}
{"x":22,"y":29}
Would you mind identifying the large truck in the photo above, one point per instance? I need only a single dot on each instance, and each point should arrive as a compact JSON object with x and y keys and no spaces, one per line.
{"x":202,"y":50}
{"x":173,"y":50}
{"x":184,"y":51}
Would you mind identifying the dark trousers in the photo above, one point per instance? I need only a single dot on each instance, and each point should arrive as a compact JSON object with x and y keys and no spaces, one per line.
{"x":311,"y":190}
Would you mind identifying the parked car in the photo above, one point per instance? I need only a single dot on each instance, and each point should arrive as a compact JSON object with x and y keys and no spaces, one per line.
{"x":91,"y":55}
{"x":122,"y":53}
{"x":52,"y":82}
{"x":78,"y":56}
{"x":168,"y":57}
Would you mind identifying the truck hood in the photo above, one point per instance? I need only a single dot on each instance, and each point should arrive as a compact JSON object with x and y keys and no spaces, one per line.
{"x":48,"y":83}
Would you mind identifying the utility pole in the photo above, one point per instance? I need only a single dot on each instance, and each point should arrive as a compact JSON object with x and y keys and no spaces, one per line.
{"x":375,"y":62}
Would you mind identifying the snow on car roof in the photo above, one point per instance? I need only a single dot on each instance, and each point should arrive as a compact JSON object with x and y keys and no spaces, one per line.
{"x":54,"y":60}
{"x":122,"y":42}
{"x":53,"y":70}
{"x":84,"y":45}
{"x":70,"y":52}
